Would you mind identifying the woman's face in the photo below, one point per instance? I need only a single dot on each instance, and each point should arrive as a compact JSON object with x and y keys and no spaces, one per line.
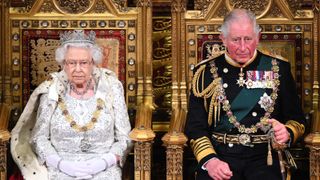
{"x":78,"y":65}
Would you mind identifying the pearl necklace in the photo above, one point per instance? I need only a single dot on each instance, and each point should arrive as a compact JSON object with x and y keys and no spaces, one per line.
{"x":263,"y":124}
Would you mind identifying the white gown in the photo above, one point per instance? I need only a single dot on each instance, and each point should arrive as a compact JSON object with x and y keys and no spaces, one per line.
{"x":52,"y":133}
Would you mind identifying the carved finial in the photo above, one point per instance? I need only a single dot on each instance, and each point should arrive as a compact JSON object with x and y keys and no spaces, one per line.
{"x":77,"y":36}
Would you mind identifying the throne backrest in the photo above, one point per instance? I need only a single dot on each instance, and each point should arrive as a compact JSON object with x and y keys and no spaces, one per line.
{"x":284,"y":32}
{"x":38,"y":51}
{"x":34,"y":32}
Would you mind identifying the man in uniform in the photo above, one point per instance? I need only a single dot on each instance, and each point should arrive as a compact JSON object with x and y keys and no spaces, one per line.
{"x":242,"y":103}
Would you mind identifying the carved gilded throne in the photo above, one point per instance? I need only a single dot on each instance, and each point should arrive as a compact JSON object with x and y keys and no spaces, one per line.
{"x":289,"y":29}
{"x":30,"y":29}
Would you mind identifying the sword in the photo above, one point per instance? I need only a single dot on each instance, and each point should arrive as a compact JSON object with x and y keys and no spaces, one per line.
{"x":282,"y":168}
{"x":279,"y":148}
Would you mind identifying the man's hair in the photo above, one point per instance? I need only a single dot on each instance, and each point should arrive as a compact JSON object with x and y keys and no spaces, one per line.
{"x":238,"y":14}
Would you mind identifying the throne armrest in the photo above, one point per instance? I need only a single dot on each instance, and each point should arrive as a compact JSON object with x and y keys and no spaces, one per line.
{"x":4,"y":138}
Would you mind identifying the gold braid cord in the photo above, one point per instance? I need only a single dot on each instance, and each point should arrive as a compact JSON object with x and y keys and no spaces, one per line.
{"x":211,"y":91}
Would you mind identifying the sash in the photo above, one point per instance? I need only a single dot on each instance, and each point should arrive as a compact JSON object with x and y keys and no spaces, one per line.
{"x":245,"y":100}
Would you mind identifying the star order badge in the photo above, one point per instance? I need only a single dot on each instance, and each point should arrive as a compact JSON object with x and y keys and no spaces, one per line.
{"x":241,"y":81}
{"x":265,"y":101}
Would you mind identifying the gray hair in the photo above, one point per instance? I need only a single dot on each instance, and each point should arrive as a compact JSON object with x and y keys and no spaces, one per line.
{"x":95,"y":50}
{"x":238,"y":14}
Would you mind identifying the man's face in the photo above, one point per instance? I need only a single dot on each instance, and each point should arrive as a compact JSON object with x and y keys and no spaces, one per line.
{"x":78,"y":65}
{"x":241,"y":41}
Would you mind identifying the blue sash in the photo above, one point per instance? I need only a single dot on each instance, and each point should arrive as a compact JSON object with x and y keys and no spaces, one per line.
{"x":245,"y":100}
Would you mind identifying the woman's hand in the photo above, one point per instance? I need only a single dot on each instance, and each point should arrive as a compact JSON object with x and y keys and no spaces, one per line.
{"x":97,"y":165}
{"x":74,"y":168}
{"x":218,"y":170}
{"x":71,"y":168}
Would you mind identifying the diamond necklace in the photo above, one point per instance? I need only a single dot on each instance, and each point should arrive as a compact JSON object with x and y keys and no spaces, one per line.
{"x":263,"y":123}
{"x":74,"y":89}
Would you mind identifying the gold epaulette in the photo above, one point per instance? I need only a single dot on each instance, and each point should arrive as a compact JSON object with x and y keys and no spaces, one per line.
{"x":297,"y":129}
{"x":201,"y":147}
{"x":277,"y":56}
{"x":211,"y":91}
{"x":204,"y":61}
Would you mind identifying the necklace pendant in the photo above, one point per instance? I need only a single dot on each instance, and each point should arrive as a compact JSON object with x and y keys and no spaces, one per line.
{"x":85,"y":144}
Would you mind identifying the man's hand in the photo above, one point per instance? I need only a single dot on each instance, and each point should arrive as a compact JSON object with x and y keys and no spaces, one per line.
{"x":218,"y":170}
{"x":280,"y":131}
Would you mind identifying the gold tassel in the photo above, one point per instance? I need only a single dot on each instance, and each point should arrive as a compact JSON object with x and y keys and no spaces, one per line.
{"x":269,"y":158}
{"x":219,"y":107}
{"x":215,"y":114}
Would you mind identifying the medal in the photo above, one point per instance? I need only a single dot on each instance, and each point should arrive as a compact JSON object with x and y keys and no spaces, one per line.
{"x":241,"y":80}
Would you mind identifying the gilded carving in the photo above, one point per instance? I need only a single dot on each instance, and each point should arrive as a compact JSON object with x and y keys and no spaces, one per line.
{"x":178,"y":6}
{"x":73,"y":6}
{"x":142,"y":159}
{"x":214,"y":50}
{"x":47,"y":6}
{"x":144,"y":3}
{"x":294,"y":6}
{"x":147,"y":156}
{"x":314,"y":161}
{"x":26,"y":8}
{"x":275,"y":12}
{"x":120,"y":4}
{"x":316,"y":6}
{"x":3,"y":155}
{"x":100,"y":7}
{"x":174,"y":160}
{"x":202,"y":4}
{"x":137,"y":156}
{"x":161,"y":62}
{"x":161,"y":24}
{"x":162,"y":52}
{"x":221,"y":12}
{"x":259,"y":7}
{"x":42,"y":57}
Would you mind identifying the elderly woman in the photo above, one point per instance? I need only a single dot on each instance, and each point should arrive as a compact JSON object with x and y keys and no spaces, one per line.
{"x":75,"y":125}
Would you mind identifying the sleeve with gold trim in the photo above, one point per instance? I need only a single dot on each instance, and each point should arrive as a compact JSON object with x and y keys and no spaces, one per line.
{"x":291,"y":113}
{"x":197,"y":127}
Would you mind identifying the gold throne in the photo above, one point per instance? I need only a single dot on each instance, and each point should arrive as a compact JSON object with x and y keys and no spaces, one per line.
{"x":32,"y":31}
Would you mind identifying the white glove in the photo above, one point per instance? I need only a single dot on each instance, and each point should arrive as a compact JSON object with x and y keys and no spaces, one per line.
{"x":74,"y":168}
{"x":110,"y":159}
{"x":97,"y":165}
{"x":53,"y":160}
{"x":84,"y":177}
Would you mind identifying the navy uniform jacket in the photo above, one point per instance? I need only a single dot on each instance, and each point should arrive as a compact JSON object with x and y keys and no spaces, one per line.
{"x":287,"y":108}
